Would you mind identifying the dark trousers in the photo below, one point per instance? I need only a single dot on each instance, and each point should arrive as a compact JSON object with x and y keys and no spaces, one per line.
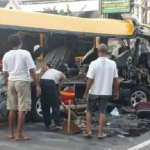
{"x":50,"y":99}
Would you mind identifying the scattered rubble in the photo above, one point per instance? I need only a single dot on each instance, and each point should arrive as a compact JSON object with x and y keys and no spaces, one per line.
{"x":126,"y":125}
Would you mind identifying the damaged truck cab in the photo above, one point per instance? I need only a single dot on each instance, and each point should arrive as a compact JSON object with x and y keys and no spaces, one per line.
{"x":133,"y":63}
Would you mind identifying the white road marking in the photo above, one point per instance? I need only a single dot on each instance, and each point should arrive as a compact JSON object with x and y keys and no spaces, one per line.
{"x":139,"y":146}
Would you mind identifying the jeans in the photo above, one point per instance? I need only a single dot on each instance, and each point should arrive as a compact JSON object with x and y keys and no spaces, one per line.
{"x":50,"y":99}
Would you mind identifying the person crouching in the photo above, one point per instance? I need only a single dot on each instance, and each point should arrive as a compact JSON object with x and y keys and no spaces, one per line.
{"x":51,"y":83}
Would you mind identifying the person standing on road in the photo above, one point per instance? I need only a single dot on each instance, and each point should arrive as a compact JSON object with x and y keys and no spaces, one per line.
{"x":101,"y":75}
{"x":51,"y":83}
{"x":17,"y":68}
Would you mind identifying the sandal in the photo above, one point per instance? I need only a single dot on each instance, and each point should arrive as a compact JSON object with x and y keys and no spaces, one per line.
{"x":23,"y":138}
{"x":102,"y":137}
{"x":87,"y":134}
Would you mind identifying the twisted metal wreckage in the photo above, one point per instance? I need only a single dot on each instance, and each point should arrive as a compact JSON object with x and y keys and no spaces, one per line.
{"x":133,"y":65}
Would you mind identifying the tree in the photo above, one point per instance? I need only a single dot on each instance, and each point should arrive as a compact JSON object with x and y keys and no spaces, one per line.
{"x":61,"y":12}
{"x":50,"y":11}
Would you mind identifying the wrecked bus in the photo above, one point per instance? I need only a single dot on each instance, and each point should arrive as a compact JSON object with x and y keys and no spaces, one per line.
{"x":63,"y":38}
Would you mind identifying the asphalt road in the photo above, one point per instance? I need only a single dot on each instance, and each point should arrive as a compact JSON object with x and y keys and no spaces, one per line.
{"x":42,"y":140}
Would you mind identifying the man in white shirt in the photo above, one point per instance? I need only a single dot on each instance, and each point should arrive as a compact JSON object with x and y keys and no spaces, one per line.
{"x":101,"y":75}
{"x":51,"y":83}
{"x":17,"y":67}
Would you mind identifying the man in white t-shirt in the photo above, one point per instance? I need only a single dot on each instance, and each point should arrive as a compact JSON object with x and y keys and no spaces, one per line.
{"x":51,"y":83}
{"x":101,"y":75}
{"x":17,"y":67}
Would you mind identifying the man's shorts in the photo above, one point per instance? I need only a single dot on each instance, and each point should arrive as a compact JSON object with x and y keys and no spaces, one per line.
{"x":19,"y":96}
{"x":99,"y":103}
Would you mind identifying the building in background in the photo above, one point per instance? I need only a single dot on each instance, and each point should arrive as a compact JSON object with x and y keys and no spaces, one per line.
{"x":10,"y":4}
{"x":139,"y":11}
{"x":13,"y":4}
{"x":74,"y":5}
{"x":81,"y":8}
{"x":3,"y":3}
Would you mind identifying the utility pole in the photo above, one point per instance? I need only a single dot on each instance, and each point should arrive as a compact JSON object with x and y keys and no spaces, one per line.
{"x":99,"y":9}
{"x":145,"y":19}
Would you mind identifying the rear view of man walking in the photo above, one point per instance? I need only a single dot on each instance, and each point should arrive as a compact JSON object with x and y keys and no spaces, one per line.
{"x":101,"y":75}
{"x":17,"y":68}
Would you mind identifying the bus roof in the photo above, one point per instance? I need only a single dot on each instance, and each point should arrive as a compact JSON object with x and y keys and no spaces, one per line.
{"x":42,"y":22}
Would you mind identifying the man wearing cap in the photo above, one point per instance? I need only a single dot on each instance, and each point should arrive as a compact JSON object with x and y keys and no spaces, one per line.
{"x":37,"y":51}
{"x":101,"y":75}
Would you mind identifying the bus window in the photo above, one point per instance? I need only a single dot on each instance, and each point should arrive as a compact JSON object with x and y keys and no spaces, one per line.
{"x":83,"y":46}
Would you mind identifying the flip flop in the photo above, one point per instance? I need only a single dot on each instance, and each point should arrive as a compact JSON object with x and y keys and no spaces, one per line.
{"x":87,"y":134}
{"x":23,"y":139}
{"x":102,"y":137}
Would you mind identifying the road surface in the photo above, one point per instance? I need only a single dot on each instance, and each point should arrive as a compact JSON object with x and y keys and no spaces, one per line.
{"x":42,"y":140}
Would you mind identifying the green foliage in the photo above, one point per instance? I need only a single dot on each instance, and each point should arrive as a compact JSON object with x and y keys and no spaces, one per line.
{"x":111,"y":47}
{"x":61,"y":12}
{"x":50,"y":11}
